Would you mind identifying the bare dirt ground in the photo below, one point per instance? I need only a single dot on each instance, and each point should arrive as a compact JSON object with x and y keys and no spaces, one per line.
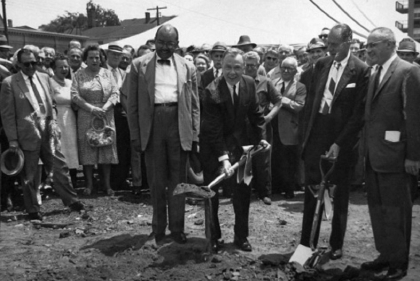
{"x":109,"y":243}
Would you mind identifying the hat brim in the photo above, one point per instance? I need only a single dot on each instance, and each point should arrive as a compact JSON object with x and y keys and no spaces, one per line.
{"x":115,"y":51}
{"x":5,"y":47}
{"x":218,"y":50}
{"x":407,"y":51}
{"x":245,"y":44}
{"x":320,"y":47}
{"x":19,"y":166}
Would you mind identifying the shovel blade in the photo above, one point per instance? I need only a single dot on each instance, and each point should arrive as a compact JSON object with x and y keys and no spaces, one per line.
{"x":201,"y":191}
{"x":301,"y":254}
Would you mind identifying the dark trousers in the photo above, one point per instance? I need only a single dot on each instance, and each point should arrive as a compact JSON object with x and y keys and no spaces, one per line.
{"x":390,"y":209}
{"x":166,"y":167}
{"x":339,"y":221}
{"x":55,"y":162}
{"x":120,"y":171}
{"x":261,"y":169}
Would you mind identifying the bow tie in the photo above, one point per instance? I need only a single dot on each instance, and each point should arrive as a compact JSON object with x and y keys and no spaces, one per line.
{"x":167,"y":62}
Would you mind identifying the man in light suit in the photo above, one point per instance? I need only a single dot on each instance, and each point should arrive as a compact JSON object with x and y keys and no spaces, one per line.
{"x":286,"y":139}
{"x":333,"y":118}
{"x":163,"y":115}
{"x":229,"y":101}
{"x":29,"y":122}
{"x":392,"y":141}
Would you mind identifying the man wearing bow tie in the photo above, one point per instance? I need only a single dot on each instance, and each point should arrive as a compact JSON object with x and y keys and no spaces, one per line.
{"x":163,"y":115}
{"x":333,"y":119}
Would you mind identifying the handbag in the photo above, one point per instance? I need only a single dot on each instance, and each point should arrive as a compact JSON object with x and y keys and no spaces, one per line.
{"x":100,"y":133}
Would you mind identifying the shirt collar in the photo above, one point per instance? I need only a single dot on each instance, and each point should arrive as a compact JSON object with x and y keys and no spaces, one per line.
{"x":387,"y":64}
{"x":111,"y":68}
{"x":344,"y":62}
{"x":26,"y":77}
{"x":159,"y":58}
{"x":231,"y":87}
{"x":214,"y":71}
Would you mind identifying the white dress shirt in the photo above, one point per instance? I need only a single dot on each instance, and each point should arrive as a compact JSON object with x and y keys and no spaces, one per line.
{"x":336,"y":75}
{"x":40,"y":89}
{"x":166,"y":81}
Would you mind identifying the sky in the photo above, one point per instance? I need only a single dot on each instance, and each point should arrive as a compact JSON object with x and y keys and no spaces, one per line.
{"x":264,"y":13}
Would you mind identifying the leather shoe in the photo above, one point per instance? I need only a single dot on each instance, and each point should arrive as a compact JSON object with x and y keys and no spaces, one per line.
{"x":242,"y":244}
{"x":77,"y":206}
{"x":289,"y":195}
{"x":35,"y":216}
{"x":217,"y":245}
{"x":336,"y":254}
{"x":267,"y":200}
{"x":179,"y":237}
{"x":395,"y":273}
{"x":375,"y":265}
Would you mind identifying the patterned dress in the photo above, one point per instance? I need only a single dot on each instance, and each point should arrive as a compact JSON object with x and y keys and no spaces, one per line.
{"x":96,"y":90}
{"x":66,"y":120}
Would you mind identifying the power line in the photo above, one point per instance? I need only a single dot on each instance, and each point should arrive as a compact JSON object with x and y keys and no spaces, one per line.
{"x":357,"y":7}
{"x":344,"y":11}
{"x":336,"y":21}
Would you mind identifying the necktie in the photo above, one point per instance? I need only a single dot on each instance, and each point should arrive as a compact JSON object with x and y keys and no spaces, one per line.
{"x":217,"y":73}
{"x":235,"y":98}
{"x":163,"y":62}
{"x":115,"y":74}
{"x":38,"y":96}
{"x":282,"y":88}
{"x":377,"y":77}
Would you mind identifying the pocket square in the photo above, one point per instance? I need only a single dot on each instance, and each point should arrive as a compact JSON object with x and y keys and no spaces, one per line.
{"x":351,"y":85}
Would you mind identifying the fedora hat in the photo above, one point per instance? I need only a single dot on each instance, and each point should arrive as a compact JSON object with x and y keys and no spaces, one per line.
{"x":115,"y":47}
{"x":219,"y":47}
{"x":3,"y":43}
{"x":245,"y":40}
{"x":407,"y":46}
{"x":315,"y":43}
{"x":12,"y":162}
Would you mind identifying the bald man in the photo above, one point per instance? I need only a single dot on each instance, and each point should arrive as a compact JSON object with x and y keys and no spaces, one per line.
{"x":163,"y":115}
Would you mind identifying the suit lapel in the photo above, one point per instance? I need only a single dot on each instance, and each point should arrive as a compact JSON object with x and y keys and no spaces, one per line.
{"x":150,"y":78}
{"x":370,"y":94}
{"x":321,"y":87}
{"x":226,"y":95}
{"x":180,"y":72}
{"x":25,"y":90}
{"x":387,"y":75}
{"x":345,"y":78}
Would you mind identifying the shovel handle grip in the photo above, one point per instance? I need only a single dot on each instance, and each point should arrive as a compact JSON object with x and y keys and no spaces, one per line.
{"x":222,"y":176}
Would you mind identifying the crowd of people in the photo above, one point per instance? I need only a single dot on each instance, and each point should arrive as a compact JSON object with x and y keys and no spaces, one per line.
{"x":166,"y":114}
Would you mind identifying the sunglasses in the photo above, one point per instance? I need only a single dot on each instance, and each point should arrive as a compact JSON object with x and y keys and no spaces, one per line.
{"x":373,"y":44}
{"x":323,"y":36}
{"x":270,"y":58}
{"x":30,"y":63}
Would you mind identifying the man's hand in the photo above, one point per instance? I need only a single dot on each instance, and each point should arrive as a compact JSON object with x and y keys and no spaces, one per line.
{"x":13,"y":146}
{"x":265,"y":144}
{"x":333,"y":152}
{"x":226,"y":168}
{"x":98,"y":112}
{"x":195,"y":147}
{"x":411,"y":167}
{"x":136,"y":144}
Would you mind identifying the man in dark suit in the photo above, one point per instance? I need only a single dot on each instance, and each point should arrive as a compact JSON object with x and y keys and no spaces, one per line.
{"x":163,"y":114}
{"x":29,"y":122}
{"x":392,"y":139}
{"x":229,"y":101}
{"x":333,"y":119}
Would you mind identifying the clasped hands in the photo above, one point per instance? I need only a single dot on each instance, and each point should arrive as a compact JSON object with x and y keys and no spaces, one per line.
{"x":227,"y":166}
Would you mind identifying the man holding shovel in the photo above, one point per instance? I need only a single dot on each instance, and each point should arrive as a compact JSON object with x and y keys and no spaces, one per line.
{"x":228,"y":101}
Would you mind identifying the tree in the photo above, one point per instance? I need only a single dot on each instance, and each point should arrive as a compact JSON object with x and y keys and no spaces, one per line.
{"x":75,"y":23}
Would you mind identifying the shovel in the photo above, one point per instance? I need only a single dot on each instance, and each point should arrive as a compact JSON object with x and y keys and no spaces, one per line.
{"x":207,"y":193}
{"x":309,"y":257}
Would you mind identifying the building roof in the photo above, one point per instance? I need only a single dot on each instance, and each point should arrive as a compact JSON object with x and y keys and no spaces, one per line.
{"x":126,"y":29}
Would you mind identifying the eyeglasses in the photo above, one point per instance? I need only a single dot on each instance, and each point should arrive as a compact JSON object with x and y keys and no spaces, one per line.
{"x":373,"y":44}
{"x":271,"y":58}
{"x":323,"y":36}
{"x":30,"y":63}
{"x":251,"y":65}
{"x":168,"y":44}
{"x":287,"y":69}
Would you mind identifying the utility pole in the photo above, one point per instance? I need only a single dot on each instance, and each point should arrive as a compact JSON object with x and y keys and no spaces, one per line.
{"x":6,"y":32}
{"x":152,"y":9}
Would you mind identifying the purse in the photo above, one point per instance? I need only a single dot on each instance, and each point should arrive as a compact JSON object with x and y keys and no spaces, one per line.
{"x":100,"y":134}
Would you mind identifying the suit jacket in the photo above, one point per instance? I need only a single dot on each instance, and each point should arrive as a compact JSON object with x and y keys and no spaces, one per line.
{"x":223,"y":130}
{"x":347,"y":106}
{"x":395,"y":106}
{"x":17,"y":110}
{"x":141,"y":100}
{"x":206,"y":78}
{"x":121,"y":72}
{"x":288,"y":117}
